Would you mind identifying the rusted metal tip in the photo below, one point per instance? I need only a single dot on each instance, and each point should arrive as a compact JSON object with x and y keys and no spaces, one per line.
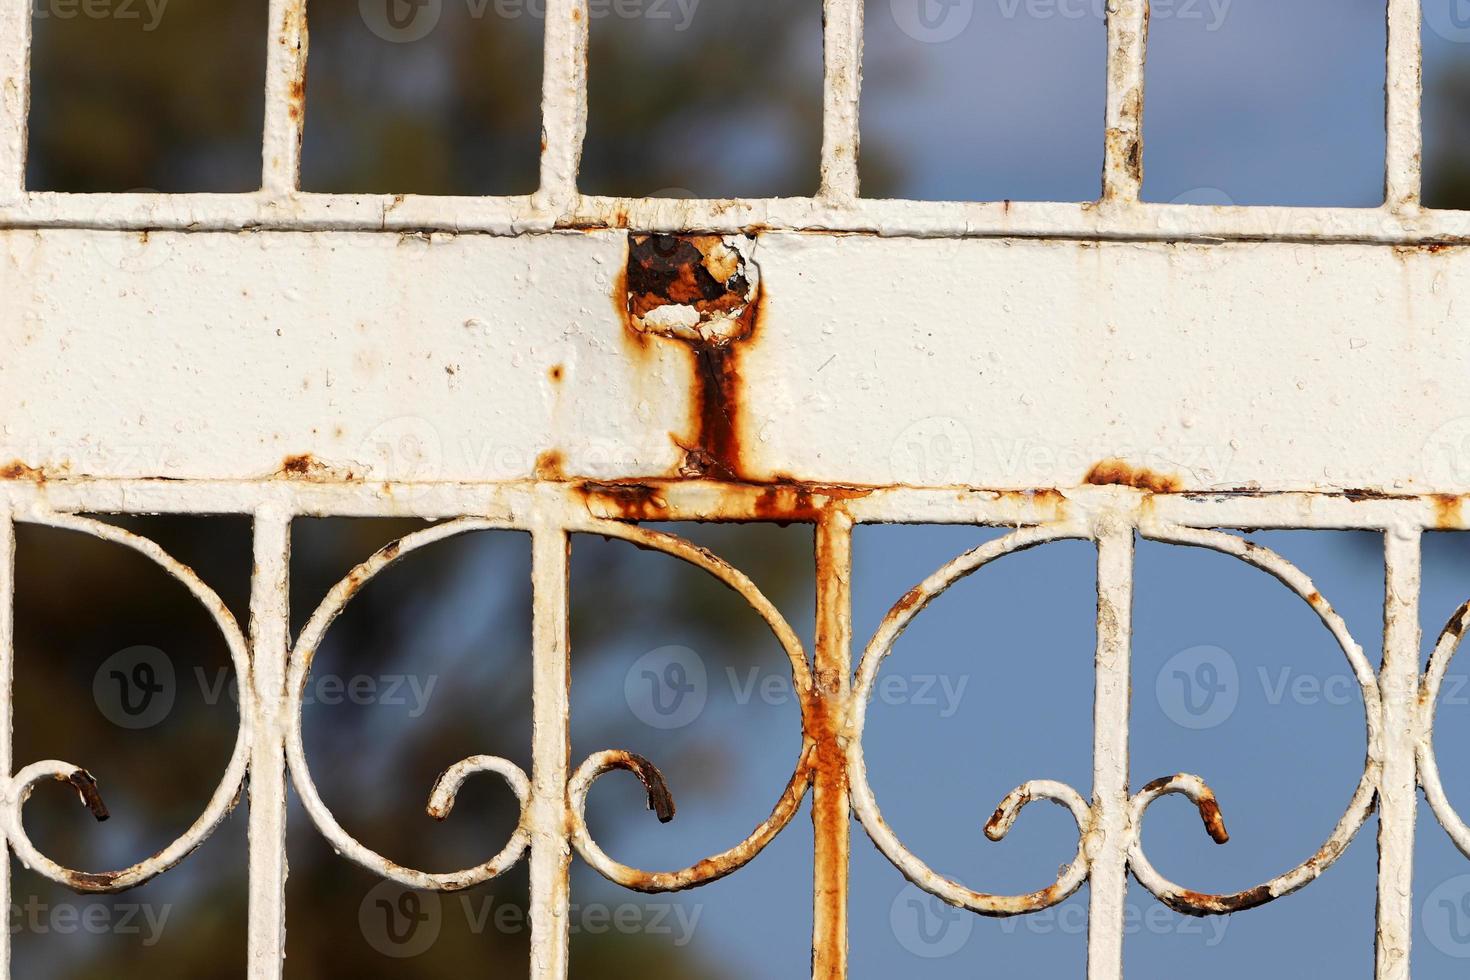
{"x":86,"y":787}
{"x":660,"y":800}
{"x":1209,"y":812}
{"x":994,"y":827}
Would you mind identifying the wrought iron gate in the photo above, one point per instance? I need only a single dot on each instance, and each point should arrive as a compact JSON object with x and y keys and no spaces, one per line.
{"x":823,"y":360}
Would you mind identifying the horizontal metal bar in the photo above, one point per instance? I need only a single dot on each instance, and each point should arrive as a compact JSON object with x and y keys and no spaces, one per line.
{"x":703,"y":500}
{"x":1085,"y":221}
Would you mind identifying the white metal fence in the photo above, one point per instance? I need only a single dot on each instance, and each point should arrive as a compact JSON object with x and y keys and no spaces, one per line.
{"x":281,"y":354}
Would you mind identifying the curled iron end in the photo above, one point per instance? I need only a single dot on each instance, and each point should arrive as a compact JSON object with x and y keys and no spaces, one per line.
{"x":1004,"y":817}
{"x":86,"y":786}
{"x":442,"y":796}
{"x":1197,"y":792}
{"x":1209,"y":811}
{"x":660,"y":800}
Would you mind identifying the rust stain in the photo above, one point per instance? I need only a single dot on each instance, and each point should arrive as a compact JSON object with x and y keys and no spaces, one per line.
{"x":700,"y":291}
{"x":1447,"y":511}
{"x":16,"y":470}
{"x":305,"y":466}
{"x":1359,"y":495}
{"x":296,"y":99}
{"x":624,"y":501}
{"x":1198,"y":903}
{"x":556,"y":373}
{"x":1428,"y":248}
{"x":911,"y":598}
{"x":1117,"y":473}
{"x":782,"y":502}
{"x":551,"y":465}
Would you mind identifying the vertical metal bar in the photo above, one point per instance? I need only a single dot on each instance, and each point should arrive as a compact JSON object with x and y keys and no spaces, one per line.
{"x":1109,"y":848}
{"x":843,"y":78}
{"x":1123,"y":150}
{"x":270,"y":642}
{"x":1398,"y":795}
{"x":563,"y":103}
{"x":551,"y":854}
{"x":7,"y":676}
{"x":285,"y":98}
{"x":15,"y":96}
{"x":1404,"y":170}
{"x":831,"y":819}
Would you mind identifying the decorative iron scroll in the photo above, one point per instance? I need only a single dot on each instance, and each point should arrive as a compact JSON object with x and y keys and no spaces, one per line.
{"x":833,"y":706}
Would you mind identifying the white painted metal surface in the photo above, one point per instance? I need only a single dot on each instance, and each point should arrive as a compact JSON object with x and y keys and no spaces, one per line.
{"x":1098,"y":371}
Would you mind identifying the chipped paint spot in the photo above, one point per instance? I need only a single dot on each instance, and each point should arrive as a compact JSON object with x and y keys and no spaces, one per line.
{"x":704,"y":292}
{"x":305,"y":466}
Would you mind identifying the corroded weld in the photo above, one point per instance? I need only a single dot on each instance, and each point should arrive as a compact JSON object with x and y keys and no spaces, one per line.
{"x":86,"y":786}
{"x":699,"y":288}
{"x":1117,"y":473}
{"x":704,"y":292}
